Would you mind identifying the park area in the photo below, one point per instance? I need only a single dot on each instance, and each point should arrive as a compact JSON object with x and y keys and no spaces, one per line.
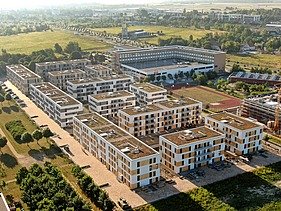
{"x":213,"y":100}
{"x":35,"y":41}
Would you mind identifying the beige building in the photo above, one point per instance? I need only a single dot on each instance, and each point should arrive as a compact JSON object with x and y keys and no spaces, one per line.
{"x":57,"y":104}
{"x":147,"y":93}
{"x":59,"y":78}
{"x":81,"y":88}
{"x":243,"y":135}
{"x":133,"y":162}
{"x":22,"y":77}
{"x":189,"y":149}
{"x":160,"y":117}
{"x":98,"y":70}
{"x":108,"y":104}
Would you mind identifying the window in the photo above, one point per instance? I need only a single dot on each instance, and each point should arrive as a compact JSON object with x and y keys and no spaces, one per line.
{"x":138,"y":164}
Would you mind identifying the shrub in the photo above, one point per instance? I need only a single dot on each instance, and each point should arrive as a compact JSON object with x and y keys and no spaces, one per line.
{"x":16,"y":129}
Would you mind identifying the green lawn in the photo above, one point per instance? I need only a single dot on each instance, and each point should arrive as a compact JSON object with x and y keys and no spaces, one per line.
{"x":262,"y":60}
{"x":26,"y":43}
{"x":256,"y":190}
{"x":168,"y":32}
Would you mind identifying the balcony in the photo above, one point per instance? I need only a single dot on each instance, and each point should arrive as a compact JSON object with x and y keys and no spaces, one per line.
{"x":202,"y":148}
{"x":202,"y":161}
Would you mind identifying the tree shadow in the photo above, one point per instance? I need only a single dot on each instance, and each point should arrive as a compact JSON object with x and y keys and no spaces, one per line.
{"x":14,"y":108}
{"x":52,"y":152}
{"x":36,"y":154}
{"x":6,"y":110}
{"x":8,"y":160}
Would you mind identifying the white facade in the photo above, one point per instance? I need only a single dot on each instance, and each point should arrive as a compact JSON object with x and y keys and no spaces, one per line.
{"x":98,"y":70}
{"x":57,"y":104}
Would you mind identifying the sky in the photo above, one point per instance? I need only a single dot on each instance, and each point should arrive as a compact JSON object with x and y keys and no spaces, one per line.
{"x":16,"y":4}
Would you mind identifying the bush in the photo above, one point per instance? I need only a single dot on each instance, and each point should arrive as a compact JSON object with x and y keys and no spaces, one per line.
{"x":16,"y":128}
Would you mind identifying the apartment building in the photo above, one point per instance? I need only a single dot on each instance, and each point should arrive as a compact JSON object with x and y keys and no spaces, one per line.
{"x":42,"y":69}
{"x":59,"y":78}
{"x":133,"y":162}
{"x":274,"y":28}
{"x":57,"y":104}
{"x":188,"y":149}
{"x":108,"y":104}
{"x":243,"y":136}
{"x":139,"y":59}
{"x":81,"y":88}
{"x":239,"y":18}
{"x":22,"y":77}
{"x":160,"y":117}
{"x":147,"y":93}
{"x":98,"y":70}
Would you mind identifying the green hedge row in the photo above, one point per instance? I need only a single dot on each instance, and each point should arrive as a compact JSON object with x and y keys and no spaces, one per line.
{"x":16,"y":128}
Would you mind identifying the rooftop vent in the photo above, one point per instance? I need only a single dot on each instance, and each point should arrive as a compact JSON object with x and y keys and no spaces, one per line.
{"x":103,"y":135}
{"x":125,"y":150}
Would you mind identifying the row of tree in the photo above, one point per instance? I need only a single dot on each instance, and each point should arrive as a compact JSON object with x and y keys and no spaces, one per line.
{"x":13,"y":29}
{"x":92,"y":190}
{"x":44,"y":188}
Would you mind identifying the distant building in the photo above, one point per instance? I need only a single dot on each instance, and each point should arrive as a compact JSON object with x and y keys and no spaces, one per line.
{"x":273,"y":28}
{"x":238,"y":18}
{"x":22,"y":77}
{"x":98,"y":70}
{"x":3,"y":203}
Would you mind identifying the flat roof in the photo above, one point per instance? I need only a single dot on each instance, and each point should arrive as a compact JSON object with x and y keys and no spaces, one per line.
{"x":66,"y":72}
{"x":192,"y":135}
{"x":121,"y":139}
{"x":98,"y":67}
{"x":23,"y":71}
{"x":55,"y":94}
{"x":234,"y":120}
{"x":112,"y":95}
{"x":99,"y":79}
{"x":148,"y":87}
{"x":141,"y":110}
{"x":177,"y":103}
{"x":255,"y":76}
{"x":63,"y":62}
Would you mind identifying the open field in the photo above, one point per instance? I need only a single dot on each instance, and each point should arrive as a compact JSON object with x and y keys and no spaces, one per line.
{"x":217,"y":101}
{"x":262,"y":60}
{"x":257,"y":190}
{"x":26,"y":43}
{"x":168,"y":32}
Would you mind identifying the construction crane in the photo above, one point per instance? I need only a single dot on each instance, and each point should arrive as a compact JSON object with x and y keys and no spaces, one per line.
{"x":277,"y":112}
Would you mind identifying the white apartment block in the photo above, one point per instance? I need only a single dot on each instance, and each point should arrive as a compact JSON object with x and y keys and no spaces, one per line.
{"x":57,"y":104}
{"x":108,"y":104}
{"x":133,"y":162}
{"x":98,"y":70}
{"x":233,"y":17}
{"x":188,"y":149}
{"x":243,"y":135}
{"x":42,"y":69}
{"x":59,"y":78}
{"x":147,"y":93}
{"x":80,"y":89}
{"x":160,"y":117}
{"x":22,"y":77}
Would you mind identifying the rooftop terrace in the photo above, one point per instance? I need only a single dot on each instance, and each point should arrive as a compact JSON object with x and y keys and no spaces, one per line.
{"x":112,"y":95}
{"x":122,"y":140}
{"x":141,"y":110}
{"x":192,"y":135}
{"x":23,"y":71}
{"x":234,"y":121}
{"x":148,"y":87}
{"x":66,"y":72}
{"x":64,"y":62}
{"x":100,"y":79}
{"x":177,"y":103}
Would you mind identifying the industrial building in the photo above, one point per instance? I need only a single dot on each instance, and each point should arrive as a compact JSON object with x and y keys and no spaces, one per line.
{"x":59,"y":78}
{"x":255,"y":78}
{"x":43,"y":68}
{"x":162,"y":61}
{"x":22,"y":77}
{"x":160,"y":117}
{"x":81,"y":88}
{"x":147,"y":93}
{"x":108,"y":104}
{"x":133,"y":162}
{"x":243,"y":136}
{"x":57,"y":104}
{"x":189,"y":149}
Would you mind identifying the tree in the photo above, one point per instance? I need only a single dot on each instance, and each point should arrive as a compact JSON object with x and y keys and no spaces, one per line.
{"x":3,"y":142}
{"x":2,"y":99}
{"x":191,"y":37}
{"x":37,"y":135}
{"x":2,"y":184}
{"x":58,"y":48}
{"x":22,"y":173}
{"x":47,"y":133}
{"x":158,"y":78}
{"x":164,"y":77}
{"x":8,"y":97}
{"x":26,"y":137}
{"x":71,"y":47}
{"x":75,"y":55}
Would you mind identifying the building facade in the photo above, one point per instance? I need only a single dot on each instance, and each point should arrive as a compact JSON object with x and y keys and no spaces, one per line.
{"x":243,"y":136}
{"x":147,"y":93}
{"x":22,"y":77}
{"x":98,"y":70}
{"x":59,"y":78}
{"x":108,"y":104}
{"x":80,"y":89}
{"x":160,"y":117}
{"x":133,"y":162}
{"x":189,"y":149}
{"x":57,"y":104}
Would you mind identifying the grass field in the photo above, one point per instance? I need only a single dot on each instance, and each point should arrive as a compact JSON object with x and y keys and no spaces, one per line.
{"x":26,"y":43}
{"x":262,"y":60}
{"x":217,"y":101}
{"x":258,"y":190}
{"x":168,"y":32}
